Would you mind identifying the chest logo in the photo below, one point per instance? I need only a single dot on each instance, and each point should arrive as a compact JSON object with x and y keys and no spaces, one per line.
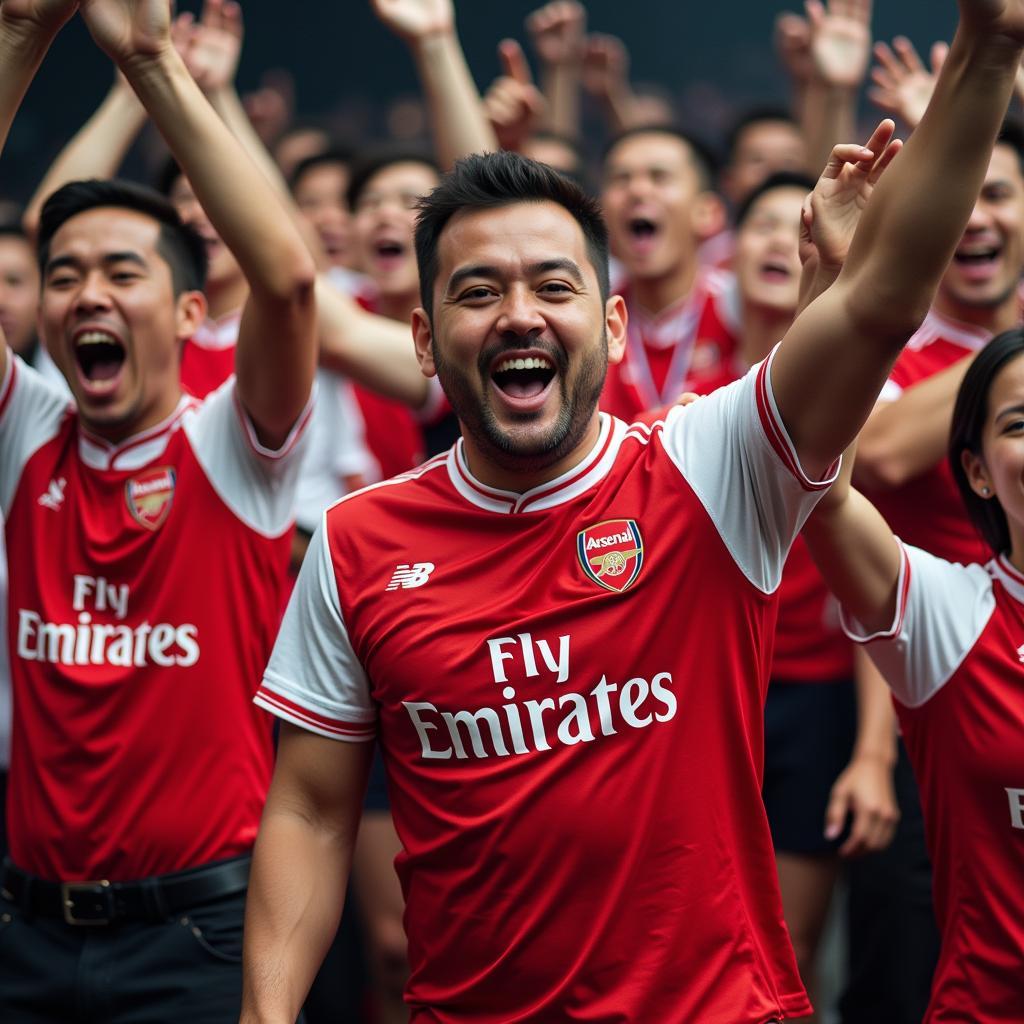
{"x":53,"y":499}
{"x":611,"y":553}
{"x":150,"y":495}
{"x":409,"y":577}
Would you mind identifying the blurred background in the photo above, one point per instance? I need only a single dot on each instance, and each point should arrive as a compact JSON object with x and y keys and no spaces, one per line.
{"x":345,"y":70}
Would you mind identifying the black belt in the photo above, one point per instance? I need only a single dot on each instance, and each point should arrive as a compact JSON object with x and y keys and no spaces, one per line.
{"x":103,"y":902}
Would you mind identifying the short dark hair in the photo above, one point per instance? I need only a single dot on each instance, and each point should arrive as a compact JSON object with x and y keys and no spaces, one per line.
{"x":969,"y":416}
{"x":1012,"y":134}
{"x":369,"y":164}
{"x":180,"y":245}
{"x":751,"y":117}
{"x":14,"y":229}
{"x":704,"y":158}
{"x":492,"y":180}
{"x":170,"y":171}
{"x":328,"y":157}
{"x":780,"y":179}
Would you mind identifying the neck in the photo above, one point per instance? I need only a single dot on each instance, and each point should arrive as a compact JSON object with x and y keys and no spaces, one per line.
{"x":761,"y":329}
{"x":398,"y":306}
{"x":655,"y":294}
{"x":994,"y":319}
{"x":115,"y":433}
{"x":226,"y":297}
{"x":519,"y":481}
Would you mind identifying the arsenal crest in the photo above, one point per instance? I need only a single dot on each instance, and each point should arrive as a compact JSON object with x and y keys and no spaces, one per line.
{"x":150,"y":495}
{"x":611,"y":553}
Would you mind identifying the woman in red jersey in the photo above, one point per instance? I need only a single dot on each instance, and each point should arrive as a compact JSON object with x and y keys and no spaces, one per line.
{"x":949,"y":640}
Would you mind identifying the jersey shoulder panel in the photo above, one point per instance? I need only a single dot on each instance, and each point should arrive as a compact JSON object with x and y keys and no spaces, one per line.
{"x":256,"y":483}
{"x":942,"y":608}
{"x":31,"y":413}
{"x":733,"y":450}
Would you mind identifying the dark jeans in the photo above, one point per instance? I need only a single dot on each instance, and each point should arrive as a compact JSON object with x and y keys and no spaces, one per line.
{"x":894,"y":940}
{"x":188,"y":969}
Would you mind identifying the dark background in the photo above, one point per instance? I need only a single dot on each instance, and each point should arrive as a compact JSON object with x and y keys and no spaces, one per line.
{"x":702,"y":52}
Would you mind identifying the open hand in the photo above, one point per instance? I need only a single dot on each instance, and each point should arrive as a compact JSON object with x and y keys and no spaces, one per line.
{"x":864,"y":791}
{"x":212,"y":46}
{"x":903,"y":85}
{"x":793,"y":46}
{"x":124,"y":29}
{"x":557,"y":31}
{"x":833,"y":210}
{"x":995,"y":17}
{"x":840,"y":40}
{"x":513,"y":104}
{"x":416,"y":19}
{"x":605,"y":66}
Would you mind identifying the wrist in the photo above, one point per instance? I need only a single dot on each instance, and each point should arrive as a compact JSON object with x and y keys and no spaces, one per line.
{"x":434,"y":42}
{"x":158,"y":63}
{"x":24,"y":44}
{"x":884,"y":758}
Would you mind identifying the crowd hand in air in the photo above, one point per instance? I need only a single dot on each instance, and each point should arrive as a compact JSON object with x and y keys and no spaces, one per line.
{"x":839,"y":41}
{"x":513,"y":104}
{"x":415,"y":20}
{"x":833,"y":210}
{"x":902,"y":84}
{"x":129,"y":29}
{"x":605,"y":67}
{"x":793,"y":47}
{"x":557,"y":31}
{"x":36,"y":17}
{"x":211,"y":47}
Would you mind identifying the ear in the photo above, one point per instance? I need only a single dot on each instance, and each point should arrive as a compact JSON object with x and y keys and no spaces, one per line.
{"x":423,"y":337}
{"x":189,"y":314}
{"x":977,"y":475}
{"x":708,"y":215}
{"x":616,"y":321}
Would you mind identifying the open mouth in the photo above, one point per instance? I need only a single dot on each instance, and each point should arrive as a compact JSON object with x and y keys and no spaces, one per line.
{"x":977,"y":257}
{"x":389,"y":253}
{"x":775,"y":271}
{"x":100,"y":358}
{"x":642,"y":228}
{"x":522,"y":378}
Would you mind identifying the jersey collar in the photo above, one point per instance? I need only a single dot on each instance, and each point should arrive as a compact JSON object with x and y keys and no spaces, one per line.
{"x":133,"y":452}
{"x":937,"y":327}
{"x":1012,"y":580}
{"x":569,"y":485}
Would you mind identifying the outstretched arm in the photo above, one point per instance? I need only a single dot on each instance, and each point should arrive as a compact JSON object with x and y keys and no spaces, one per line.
{"x":606,"y":78}
{"x":838,"y":354}
{"x":557,"y":31}
{"x":27,"y":27}
{"x":276,"y":355}
{"x":456,"y":114}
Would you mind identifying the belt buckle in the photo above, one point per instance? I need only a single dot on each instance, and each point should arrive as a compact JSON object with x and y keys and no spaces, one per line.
{"x":87,"y":903}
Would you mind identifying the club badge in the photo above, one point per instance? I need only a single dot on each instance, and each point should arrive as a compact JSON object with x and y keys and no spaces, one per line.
{"x":150,"y":495}
{"x":611,"y":553}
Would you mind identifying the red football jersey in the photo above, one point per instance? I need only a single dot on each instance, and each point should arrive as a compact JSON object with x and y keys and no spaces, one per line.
{"x":568,"y":688}
{"x":698,"y":332}
{"x":146,"y":580}
{"x":927,"y":511}
{"x":810,"y":646}
{"x":953,"y":658}
{"x":208,"y":358}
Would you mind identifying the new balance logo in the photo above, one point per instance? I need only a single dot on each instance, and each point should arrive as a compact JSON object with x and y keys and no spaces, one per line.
{"x":408,"y":577}
{"x":53,"y":499}
{"x":1020,"y":653}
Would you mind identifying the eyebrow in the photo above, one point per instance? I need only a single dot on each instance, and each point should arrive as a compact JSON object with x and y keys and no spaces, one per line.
{"x":58,"y":262}
{"x":487,"y":270}
{"x":1013,"y":410}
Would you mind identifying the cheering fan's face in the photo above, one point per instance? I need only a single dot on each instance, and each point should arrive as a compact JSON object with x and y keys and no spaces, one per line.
{"x":320,"y":197}
{"x":520,"y":337}
{"x":19,"y":292}
{"x":655,"y":204}
{"x":384,"y":219}
{"x":767,"y":261}
{"x":111,"y":321}
{"x":222,"y":267}
{"x":762,"y":149}
{"x":987,"y":265}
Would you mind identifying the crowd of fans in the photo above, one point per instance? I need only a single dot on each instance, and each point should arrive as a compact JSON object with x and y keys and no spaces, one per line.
{"x":198,"y":366}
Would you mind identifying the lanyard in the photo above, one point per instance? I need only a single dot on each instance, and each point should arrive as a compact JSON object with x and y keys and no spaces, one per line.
{"x":684,"y":326}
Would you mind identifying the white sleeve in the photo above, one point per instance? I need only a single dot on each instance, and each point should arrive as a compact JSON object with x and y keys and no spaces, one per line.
{"x":941,"y":610}
{"x":314,"y":679}
{"x":31,"y":412}
{"x":257,"y":484}
{"x":733,"y":450}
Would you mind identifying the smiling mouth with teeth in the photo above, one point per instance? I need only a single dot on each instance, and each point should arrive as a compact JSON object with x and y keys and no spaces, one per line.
{"x":523,"y":377}
{"x":100,"y":356}
{"x":978,"y":256}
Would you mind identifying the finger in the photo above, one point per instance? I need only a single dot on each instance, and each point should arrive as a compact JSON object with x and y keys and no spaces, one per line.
{"x":888,"y":59}
{"x":232,"y":16}
{"x":881,"y":136}
{"x":835,"y":813}
{"x":860,"y":830}
{"x":815,"y":14}
{"x":513,"y":62}
{"x":883,"y":79}
{"x":210,"y":16}
{"x":907,"y":54}
{"x":890,"y":154}
{"x":940,"y":51}
{"x":847,"y":153}
{"x":687,"y":398}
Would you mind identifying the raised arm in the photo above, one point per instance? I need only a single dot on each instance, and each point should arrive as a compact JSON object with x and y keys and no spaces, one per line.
{"x":513,"y":104}
{"x":27,"y":27}
{"x":276,"y":355}
{"x":838,"y":354}
{"x":606,"y":78}
{"x":300,"y":867}
{"x":97,"y":149}
{"x":557,"y":31}
{"x":457,"y":116}
{"x":902,"y":85}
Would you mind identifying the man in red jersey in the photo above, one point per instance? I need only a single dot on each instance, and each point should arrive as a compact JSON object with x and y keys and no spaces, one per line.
{"x":574,"y":769}
{"x":660,"y":207}
{"x":148,"y":538}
